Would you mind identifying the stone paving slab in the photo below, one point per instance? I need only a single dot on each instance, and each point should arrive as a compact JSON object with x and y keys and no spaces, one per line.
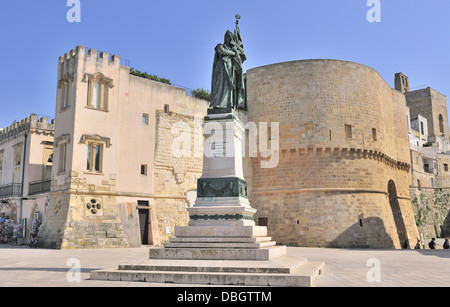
{"x":22,"y":266}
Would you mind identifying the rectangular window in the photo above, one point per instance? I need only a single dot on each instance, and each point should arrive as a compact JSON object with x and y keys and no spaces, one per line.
{"x":421,"y":129}
{"x":145,"y":119}
{"x":97,"y":93}
{"x":446,"y":167}
{"x":17,"y":162}
{"x":143,"y":203}
{"x":94,"y":158}
{"x":166,"y":108}
{"x":374,"y":134}
{"x":62,"y":158}
{"x":348,"y":131}
{"x":65,"y":95}
{"x":104,"y":96}
{"x":144,"y":169}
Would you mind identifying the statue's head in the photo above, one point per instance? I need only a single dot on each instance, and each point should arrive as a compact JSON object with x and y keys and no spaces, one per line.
{"x":229,"y":37}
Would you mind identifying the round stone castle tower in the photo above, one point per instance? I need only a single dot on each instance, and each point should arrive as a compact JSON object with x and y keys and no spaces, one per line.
{"x":342,"y":173}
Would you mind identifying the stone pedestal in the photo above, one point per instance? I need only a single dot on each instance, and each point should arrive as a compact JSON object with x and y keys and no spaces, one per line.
{"x":221,"y":225}
{"x":221,"y":244}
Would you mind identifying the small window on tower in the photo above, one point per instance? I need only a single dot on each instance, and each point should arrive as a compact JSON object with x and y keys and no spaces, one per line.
{"x":441,"y":124}
{"x":348,"y":131}
{"x":62,"y":157}
{"x":145,"y":119}
{"x":144,"y":169}
{"x":374,"y":134}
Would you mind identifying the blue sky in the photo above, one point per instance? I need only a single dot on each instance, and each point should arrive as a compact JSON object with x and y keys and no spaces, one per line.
{"x":175,"y":39}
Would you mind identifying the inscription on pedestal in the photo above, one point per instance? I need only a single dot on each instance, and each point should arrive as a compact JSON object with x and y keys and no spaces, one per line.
{"x":218,"y":149}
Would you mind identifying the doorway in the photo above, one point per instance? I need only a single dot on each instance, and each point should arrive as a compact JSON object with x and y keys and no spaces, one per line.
{"x":144,"y":222}
{"x":397,"y":213}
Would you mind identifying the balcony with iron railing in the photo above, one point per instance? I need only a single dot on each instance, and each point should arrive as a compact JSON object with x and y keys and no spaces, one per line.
{"x":41,"y":186}
{"x":11,"y":190}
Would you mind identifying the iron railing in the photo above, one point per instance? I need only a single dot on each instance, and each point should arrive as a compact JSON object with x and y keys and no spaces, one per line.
{"x":40,"y":186}
{"x":10,"y":190}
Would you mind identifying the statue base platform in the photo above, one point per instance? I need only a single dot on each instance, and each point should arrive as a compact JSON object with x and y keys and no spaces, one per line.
{"x":286,"y":271}
{"x":219,"y":243}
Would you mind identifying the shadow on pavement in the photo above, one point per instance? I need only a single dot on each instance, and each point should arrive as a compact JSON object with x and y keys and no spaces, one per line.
{"x":82,"y":270}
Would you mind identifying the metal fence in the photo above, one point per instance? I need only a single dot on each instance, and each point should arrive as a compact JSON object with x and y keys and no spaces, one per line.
{"x":41,"y":186}
{"x":10,"y":190}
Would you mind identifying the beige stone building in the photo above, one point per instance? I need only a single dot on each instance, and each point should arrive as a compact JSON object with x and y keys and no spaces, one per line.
{"x":428,"y":131}
{"x":346,"y":161}
{"x":26,"y":158}
{"x":115,"y":182}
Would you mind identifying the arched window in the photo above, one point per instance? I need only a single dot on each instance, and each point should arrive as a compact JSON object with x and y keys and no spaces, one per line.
{"x":441,"y":124}
{"x":48,"y":162}
{"x":50,"y":159}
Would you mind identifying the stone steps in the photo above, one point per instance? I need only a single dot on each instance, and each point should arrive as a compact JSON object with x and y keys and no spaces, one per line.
{"x":220,"y":239}
{"x":220,"y":245}
{"x":220,"y":231}
{"x":217,"y":253}
{"x":281,"y":273}
{"x":281,"y":265}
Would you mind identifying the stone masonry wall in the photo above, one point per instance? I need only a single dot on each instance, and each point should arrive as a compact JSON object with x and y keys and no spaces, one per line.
{"x":178,"y":164}
{"x":340,"y":144}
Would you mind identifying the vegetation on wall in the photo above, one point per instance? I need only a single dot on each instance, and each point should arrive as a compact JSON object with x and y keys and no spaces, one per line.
{"x":138,"y":73}
{"x":431,"y":213}
{"x":201,"y":93}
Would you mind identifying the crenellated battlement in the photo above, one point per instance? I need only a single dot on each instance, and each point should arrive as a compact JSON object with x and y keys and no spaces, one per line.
{"x":346,"y":152}
{"x":88,"y":53}
{"x":31,"y":124}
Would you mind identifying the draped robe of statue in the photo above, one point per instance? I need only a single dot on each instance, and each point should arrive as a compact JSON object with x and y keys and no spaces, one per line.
{"x":223,"y":80}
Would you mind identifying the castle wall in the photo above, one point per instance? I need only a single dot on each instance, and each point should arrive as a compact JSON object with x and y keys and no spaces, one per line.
{"x":340,"y":145}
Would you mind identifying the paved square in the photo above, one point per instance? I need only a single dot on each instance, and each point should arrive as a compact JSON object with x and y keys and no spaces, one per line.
{"x":22,"y":266}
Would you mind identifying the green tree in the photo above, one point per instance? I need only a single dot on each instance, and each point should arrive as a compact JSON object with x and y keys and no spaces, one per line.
{"x":201,"y":93}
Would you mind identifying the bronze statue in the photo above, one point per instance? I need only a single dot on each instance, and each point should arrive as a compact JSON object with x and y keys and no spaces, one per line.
{"x":227,"y":85}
